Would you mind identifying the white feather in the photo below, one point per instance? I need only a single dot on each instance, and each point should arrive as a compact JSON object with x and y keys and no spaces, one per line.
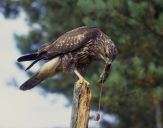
{"x":48,"y":69}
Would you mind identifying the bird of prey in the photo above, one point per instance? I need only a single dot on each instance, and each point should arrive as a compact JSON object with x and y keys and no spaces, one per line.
{"x":72,"y":52}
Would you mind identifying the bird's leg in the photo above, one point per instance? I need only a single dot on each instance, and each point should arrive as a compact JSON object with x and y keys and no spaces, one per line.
{"x":81,"y":78}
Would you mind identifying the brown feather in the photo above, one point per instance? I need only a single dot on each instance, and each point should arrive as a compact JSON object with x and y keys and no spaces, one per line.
{"x":75,"y":49}
{"x":72,"y":40}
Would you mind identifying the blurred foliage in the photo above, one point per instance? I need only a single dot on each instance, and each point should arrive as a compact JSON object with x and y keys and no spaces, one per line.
{"x":136,"y":27}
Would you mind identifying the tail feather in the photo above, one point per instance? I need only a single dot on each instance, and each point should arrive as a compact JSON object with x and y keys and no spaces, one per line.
{"x":33,"y":63}
{"x":28,"y":57}
{"x":32,"y":82}
{"x":47,"y":70}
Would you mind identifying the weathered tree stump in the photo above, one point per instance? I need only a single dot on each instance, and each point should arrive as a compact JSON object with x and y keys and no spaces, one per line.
{"x":81,"y":105}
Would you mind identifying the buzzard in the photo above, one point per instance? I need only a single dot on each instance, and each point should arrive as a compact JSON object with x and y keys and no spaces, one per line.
{"x":73,"y":51}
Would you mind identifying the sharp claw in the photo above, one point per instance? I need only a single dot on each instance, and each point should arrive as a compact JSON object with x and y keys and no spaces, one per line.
{"x":87,"y":82}
{"x":81,"y":81}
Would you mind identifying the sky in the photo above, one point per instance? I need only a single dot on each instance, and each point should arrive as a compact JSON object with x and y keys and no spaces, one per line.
{"x":28,"y":109}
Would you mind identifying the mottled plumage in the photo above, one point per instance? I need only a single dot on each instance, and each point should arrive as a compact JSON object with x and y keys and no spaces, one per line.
{"x":75,"y":49}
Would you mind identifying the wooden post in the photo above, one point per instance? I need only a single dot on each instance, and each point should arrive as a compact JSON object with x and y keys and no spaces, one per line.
{"x":81,"y":105}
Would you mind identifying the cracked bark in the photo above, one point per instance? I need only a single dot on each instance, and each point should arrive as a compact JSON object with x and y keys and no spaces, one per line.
{"x":81,"y":106}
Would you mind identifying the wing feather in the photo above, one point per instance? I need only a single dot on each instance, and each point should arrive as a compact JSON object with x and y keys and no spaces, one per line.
{"x":71,"y":41}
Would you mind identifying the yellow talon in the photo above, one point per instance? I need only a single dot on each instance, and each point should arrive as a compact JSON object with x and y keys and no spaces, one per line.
{"x":83,"y":81}
{"x":81,"y":78}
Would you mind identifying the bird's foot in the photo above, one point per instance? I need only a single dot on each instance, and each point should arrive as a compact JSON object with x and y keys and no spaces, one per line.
{"x":81,"y":78}
{"x":82,"y":81}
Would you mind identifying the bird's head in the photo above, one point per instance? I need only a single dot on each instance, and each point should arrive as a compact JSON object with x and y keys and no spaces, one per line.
{"x":109,"y":53}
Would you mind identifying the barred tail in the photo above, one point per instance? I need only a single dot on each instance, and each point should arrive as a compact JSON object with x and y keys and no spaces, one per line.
{"x":28,"y":57}
{"x":32,"y":82}
{"x":47,"y":70}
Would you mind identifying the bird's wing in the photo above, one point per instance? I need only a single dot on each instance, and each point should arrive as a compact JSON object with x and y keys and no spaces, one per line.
{"x":68,"y":42}
{"x":71,"y":41}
